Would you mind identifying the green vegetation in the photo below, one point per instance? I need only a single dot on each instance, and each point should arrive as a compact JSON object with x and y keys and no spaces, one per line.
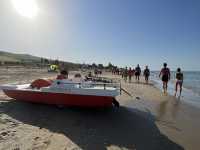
{"x":11,"y":58}
{"x":7,"y":58}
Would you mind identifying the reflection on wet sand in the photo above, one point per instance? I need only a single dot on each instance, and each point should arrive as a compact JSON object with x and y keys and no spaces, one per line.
{"x":167,"y":113}
{"x":161,"y":110}
{"x":175,"y":108}
{"x":168,"y":108}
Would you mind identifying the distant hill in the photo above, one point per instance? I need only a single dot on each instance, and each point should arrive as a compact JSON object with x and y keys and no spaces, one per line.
{"x":12,"y":57}
{"x":7,"y":58}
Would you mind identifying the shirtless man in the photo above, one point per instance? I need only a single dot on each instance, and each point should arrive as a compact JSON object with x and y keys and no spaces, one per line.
{"x":165,"y":76}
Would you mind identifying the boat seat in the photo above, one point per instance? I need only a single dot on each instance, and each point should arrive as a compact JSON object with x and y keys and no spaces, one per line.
{"x":40,"y":83}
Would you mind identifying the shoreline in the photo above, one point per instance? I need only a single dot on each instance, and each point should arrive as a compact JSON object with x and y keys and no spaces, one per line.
{"x":178,"y":119}
{"x":188,"y":96}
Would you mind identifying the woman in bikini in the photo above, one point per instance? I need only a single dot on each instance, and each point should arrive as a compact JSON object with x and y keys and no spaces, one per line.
{"x":179,"y":81}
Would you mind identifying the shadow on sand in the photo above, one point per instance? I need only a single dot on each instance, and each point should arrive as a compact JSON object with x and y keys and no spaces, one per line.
{"x":94,"y":128}
{"x":142,"y":83}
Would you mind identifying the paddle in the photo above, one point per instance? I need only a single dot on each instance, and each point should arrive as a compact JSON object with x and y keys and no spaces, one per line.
{"x":126,"y":92}
{"x":121,"y":89}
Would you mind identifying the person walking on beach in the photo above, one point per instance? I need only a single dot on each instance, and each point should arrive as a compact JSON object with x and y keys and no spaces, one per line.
{"x":129,"y":75}
{"x":125,"y":74}
{"x":133,"y":71}
{"x":165,"y":74}
{"x":137,"y":73}
{"x":179,"y":81}
{"x":122,"y":72}
{"x":63,"y":75}
{"x":146,"y":74}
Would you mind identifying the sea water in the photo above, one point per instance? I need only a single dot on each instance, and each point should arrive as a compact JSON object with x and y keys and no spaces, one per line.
{"x":191,"y":86}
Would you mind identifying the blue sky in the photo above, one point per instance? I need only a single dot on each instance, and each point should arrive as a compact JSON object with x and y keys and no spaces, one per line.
{"x":124,"y":32}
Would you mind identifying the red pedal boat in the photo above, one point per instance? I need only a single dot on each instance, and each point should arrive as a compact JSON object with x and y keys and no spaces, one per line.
{"x":65,"y":93}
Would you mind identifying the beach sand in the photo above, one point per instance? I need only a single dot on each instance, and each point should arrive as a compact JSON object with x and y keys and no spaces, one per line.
{"x":147,"y":121}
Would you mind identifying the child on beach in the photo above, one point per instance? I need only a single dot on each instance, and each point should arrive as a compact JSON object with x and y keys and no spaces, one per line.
{"x":179,"y":81}
{"x":146,"y":74}
{"x":165,"y":73}
{"x":137,"y":73}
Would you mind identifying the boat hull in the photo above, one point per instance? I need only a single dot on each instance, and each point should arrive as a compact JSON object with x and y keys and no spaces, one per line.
{"x":60,"y":98}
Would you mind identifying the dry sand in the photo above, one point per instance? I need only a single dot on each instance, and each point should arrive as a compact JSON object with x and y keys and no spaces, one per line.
{"x":152,"y":121}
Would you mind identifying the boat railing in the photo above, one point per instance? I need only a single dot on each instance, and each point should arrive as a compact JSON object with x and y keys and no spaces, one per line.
{"x":116,"y":85}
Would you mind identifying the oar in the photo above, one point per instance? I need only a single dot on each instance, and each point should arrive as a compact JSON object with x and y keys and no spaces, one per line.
{"x":126,"y":92}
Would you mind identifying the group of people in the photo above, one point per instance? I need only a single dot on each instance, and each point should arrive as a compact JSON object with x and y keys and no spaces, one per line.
{"x":165,"y":76}
{"x":129,"y":73}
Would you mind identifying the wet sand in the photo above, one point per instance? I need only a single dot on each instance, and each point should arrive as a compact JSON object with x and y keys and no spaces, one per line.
{"x":147,"y":121}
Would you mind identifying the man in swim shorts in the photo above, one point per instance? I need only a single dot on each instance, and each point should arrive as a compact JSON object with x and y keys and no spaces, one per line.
{"x":146,"y":74}
{"x":137,"y":73}
{"x":165,"y":74}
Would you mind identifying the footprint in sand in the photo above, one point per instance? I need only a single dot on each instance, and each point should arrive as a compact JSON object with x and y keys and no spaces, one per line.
{"x":138,"y":98}
{"x":4,"y":133}
{"x":36,"y":138}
